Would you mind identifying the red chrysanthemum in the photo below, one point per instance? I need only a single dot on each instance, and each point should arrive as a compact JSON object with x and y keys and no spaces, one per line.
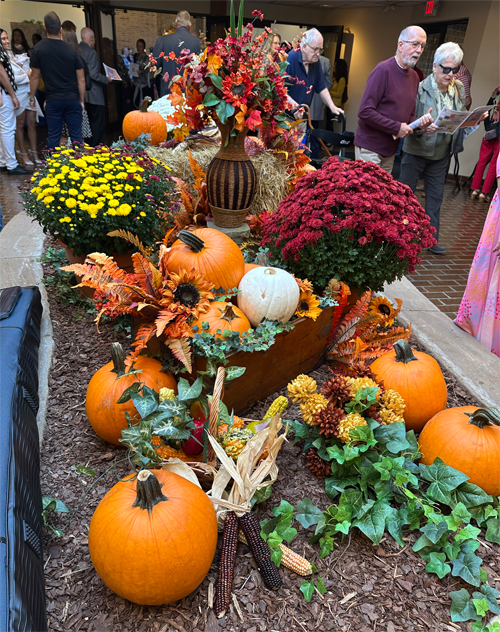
{"x":236,"y":88}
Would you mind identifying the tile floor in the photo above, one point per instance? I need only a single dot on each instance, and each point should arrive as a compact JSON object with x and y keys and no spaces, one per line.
{"x":441,"y":279}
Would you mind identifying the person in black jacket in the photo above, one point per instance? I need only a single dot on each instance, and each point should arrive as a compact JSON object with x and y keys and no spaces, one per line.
{"x":175,"y":42}
{"x":94,"y":98}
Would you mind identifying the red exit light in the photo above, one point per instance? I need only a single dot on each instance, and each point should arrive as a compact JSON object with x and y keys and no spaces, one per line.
{"x":429,"y":8}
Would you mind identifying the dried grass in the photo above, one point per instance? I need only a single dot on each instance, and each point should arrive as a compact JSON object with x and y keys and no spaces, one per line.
{"x":272,"y":175}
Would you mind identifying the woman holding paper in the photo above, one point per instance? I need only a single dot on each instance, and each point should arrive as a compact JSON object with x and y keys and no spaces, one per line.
{"x":479,"y":312}
{"x":427,"y":153}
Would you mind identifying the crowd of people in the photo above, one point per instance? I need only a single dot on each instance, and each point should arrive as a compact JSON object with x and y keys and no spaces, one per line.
{"x":61,"y":78}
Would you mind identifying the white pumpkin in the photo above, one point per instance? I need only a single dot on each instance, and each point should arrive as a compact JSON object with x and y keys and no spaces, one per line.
{"x":269,"y":293}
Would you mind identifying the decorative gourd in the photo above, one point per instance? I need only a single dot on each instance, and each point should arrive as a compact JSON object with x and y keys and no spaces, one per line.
{"x":417,"y":377}
{"x":223,"y":316}
{"x":105,"y":388}
{"x":210,"y":252}
{"x":235,"y":440}
{"x":143,"y":121}
{"x":250,"y":266}
{"x":468,"y":439}
{"x":237,"y":423}
{"x":269,"y":293}
{"x":152,"y":539}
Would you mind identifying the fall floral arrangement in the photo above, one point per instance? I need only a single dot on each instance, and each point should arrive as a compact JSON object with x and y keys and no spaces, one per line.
{"x":82,"y":195}
{"x":352,"y":221}
{"x":344,"y":411}
{"x":231,"y":82}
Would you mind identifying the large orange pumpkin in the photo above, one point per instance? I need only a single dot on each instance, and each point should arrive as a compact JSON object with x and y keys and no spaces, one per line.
{"x":250,"y":266}
{"x":143,"y":121}
{"x":223,"y":316}
{"x":107,"y":417}
{"x":152,"y":540}
{"x":466,"y":438}
{"x":417,"y":377}
{"x":210,"y":252}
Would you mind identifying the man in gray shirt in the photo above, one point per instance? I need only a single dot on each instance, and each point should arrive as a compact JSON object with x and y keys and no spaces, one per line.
{"x":94,"y":98}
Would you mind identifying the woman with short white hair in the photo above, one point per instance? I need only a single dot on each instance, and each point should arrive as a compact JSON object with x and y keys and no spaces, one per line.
{"x":427,"y":154}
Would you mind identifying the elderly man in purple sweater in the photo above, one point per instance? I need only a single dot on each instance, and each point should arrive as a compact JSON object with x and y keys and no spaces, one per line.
{"x":388,"y":104}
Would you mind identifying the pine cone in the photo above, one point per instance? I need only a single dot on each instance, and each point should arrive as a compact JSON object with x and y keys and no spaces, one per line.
{"x":319,"y":467}
{"x":336,"y":390}
{"x":328,"y":421}
{"x":373,"y":413}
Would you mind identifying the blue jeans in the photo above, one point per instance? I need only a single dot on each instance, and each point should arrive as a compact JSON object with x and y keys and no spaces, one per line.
{"x":59,"y":112}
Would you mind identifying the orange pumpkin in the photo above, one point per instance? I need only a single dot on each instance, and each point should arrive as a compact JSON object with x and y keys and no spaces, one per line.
{"x":250,"y":266}
{"x":143,"y":121}
{"x":210,"y":252}
{"x":417,"y":377}
{"x":223,"y":316}
{"x":466,"y":438}
{"x":152,"y":538}
{"x":105,"y":388}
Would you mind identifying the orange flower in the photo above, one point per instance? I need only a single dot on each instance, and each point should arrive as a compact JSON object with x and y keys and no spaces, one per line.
{"x":214,"y":63}
{"x":304,"y":284}
{"x":176,"y":97}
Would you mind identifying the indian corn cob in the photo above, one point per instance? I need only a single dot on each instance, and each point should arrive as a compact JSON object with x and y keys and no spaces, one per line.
{"x":225,"y":573}
{"x":289,"y":559}
{"x":260,"y":550}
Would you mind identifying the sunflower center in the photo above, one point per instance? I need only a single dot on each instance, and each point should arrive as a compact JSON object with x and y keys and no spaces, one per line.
{"x":186,"y":294}
{"x":237,"y":89}
{"x":303,"y":306}
{"x":384,"y":309}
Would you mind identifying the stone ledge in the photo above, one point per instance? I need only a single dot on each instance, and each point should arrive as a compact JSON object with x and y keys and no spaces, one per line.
{"x":476,"y":369}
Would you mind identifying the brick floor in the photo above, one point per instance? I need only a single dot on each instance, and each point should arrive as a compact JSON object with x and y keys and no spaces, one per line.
{"x":443,"y":278}
{"x":9,"y":196}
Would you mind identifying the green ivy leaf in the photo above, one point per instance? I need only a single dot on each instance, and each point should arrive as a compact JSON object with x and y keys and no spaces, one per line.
{"x":307,"y":589}
{"x":451,"y":550}
{"x":467,"y":533}
{"x":276,"y":555}
{"x":308,"y":514}
{"x":187,"y":391}
{"x":462,"y":608}
{"x":372,"y":524}
{"x":443,"y":480}
{"x":434,"y":532}
{"x":336,"y":453}
{"x":325,"y":546}
{"x":481,"y":606}
{"x":261,"y":495}
{"x":470,"y":495}
{"x":320,"y":586}
{"x":493,"y":530}
{"x":466,"y":566}
{"x":437,"y":565}
{"x":81,"y":469}
{"x":393,"y":437}
{"x":343,"y":527}
{"x":54,"y":504}
{"x":147,"y":403}
{"x":490,"y":594}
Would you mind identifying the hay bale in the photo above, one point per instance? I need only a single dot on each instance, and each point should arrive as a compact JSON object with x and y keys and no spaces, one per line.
{"x":272,"y":176}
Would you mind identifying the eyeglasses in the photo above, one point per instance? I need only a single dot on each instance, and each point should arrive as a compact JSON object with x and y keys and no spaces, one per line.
{"x":315,"y":50}
{"x":415,"y":45}
{"x":447,"y":69}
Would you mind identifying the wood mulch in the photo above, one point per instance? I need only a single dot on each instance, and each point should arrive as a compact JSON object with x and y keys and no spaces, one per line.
{"x":369,"y":588}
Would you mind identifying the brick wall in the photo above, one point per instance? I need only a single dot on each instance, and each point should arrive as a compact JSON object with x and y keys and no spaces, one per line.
{"x":133,"y":25}
{"x":28,"y":30}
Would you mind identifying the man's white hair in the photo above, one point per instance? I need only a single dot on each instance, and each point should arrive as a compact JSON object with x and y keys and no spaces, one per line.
{"x":446,"y":50}
{"x":310,"y":36}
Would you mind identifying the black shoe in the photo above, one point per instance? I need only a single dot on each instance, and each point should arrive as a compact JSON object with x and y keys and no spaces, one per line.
{"x":3,"y":169}
{"x":18,"y":171}
{"x":437,"y":250}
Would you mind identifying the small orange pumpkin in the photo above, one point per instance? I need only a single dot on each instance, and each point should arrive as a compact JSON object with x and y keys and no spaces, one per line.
{"x":417,"y":377}
{"x":223,"y":316}
{"x":466,"y":438}
{"x":152,"y":538}
{"x":105,"y":388}
{"x":210,"y":252}
{"x":143,"y":121}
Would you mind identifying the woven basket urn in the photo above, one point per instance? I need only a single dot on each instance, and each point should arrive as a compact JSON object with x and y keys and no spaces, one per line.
{"x":231,"y":180}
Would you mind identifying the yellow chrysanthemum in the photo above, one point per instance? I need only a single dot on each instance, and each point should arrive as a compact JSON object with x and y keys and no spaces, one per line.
{"x":388,"y":416}
{"x":308,"y":305}
{"x":302,"y":386}
{"x":71,"y":203}
{"x":166,"y":394}
{"x":392,"y":400}
{"x":382,"y":307}
{"x":353,"y":420}
{"x":355,"y":383}
{"x":310,"y":405}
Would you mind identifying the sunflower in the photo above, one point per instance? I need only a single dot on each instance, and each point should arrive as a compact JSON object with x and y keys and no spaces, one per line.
{"x":236,"y":88}
{"x":187,"y":293}
{"x":382,"y":306}
{"x":308,"y":305}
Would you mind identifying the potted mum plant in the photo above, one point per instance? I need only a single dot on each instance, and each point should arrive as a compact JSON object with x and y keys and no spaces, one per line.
{"x":233,"y":83}
{"x":81,"y":195}
{"x":350,"y":221}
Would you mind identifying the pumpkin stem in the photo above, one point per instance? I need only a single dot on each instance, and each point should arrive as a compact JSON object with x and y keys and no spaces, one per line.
{"x":262,"y":259}
{"x":145,"y":104}
{"x":190,"y":239}
{"x":270,"y":271}
{"x":149,"y":491}
{"x":118,"y":358}
{"x":484,"y":417}
{"x":403,"y":351}
{"x":229,"y":314}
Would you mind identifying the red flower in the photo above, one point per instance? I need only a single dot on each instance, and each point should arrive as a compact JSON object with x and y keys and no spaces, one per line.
{"x":257,"y":14}
{"x":253,"y":121}
{"x":236,"y":88}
